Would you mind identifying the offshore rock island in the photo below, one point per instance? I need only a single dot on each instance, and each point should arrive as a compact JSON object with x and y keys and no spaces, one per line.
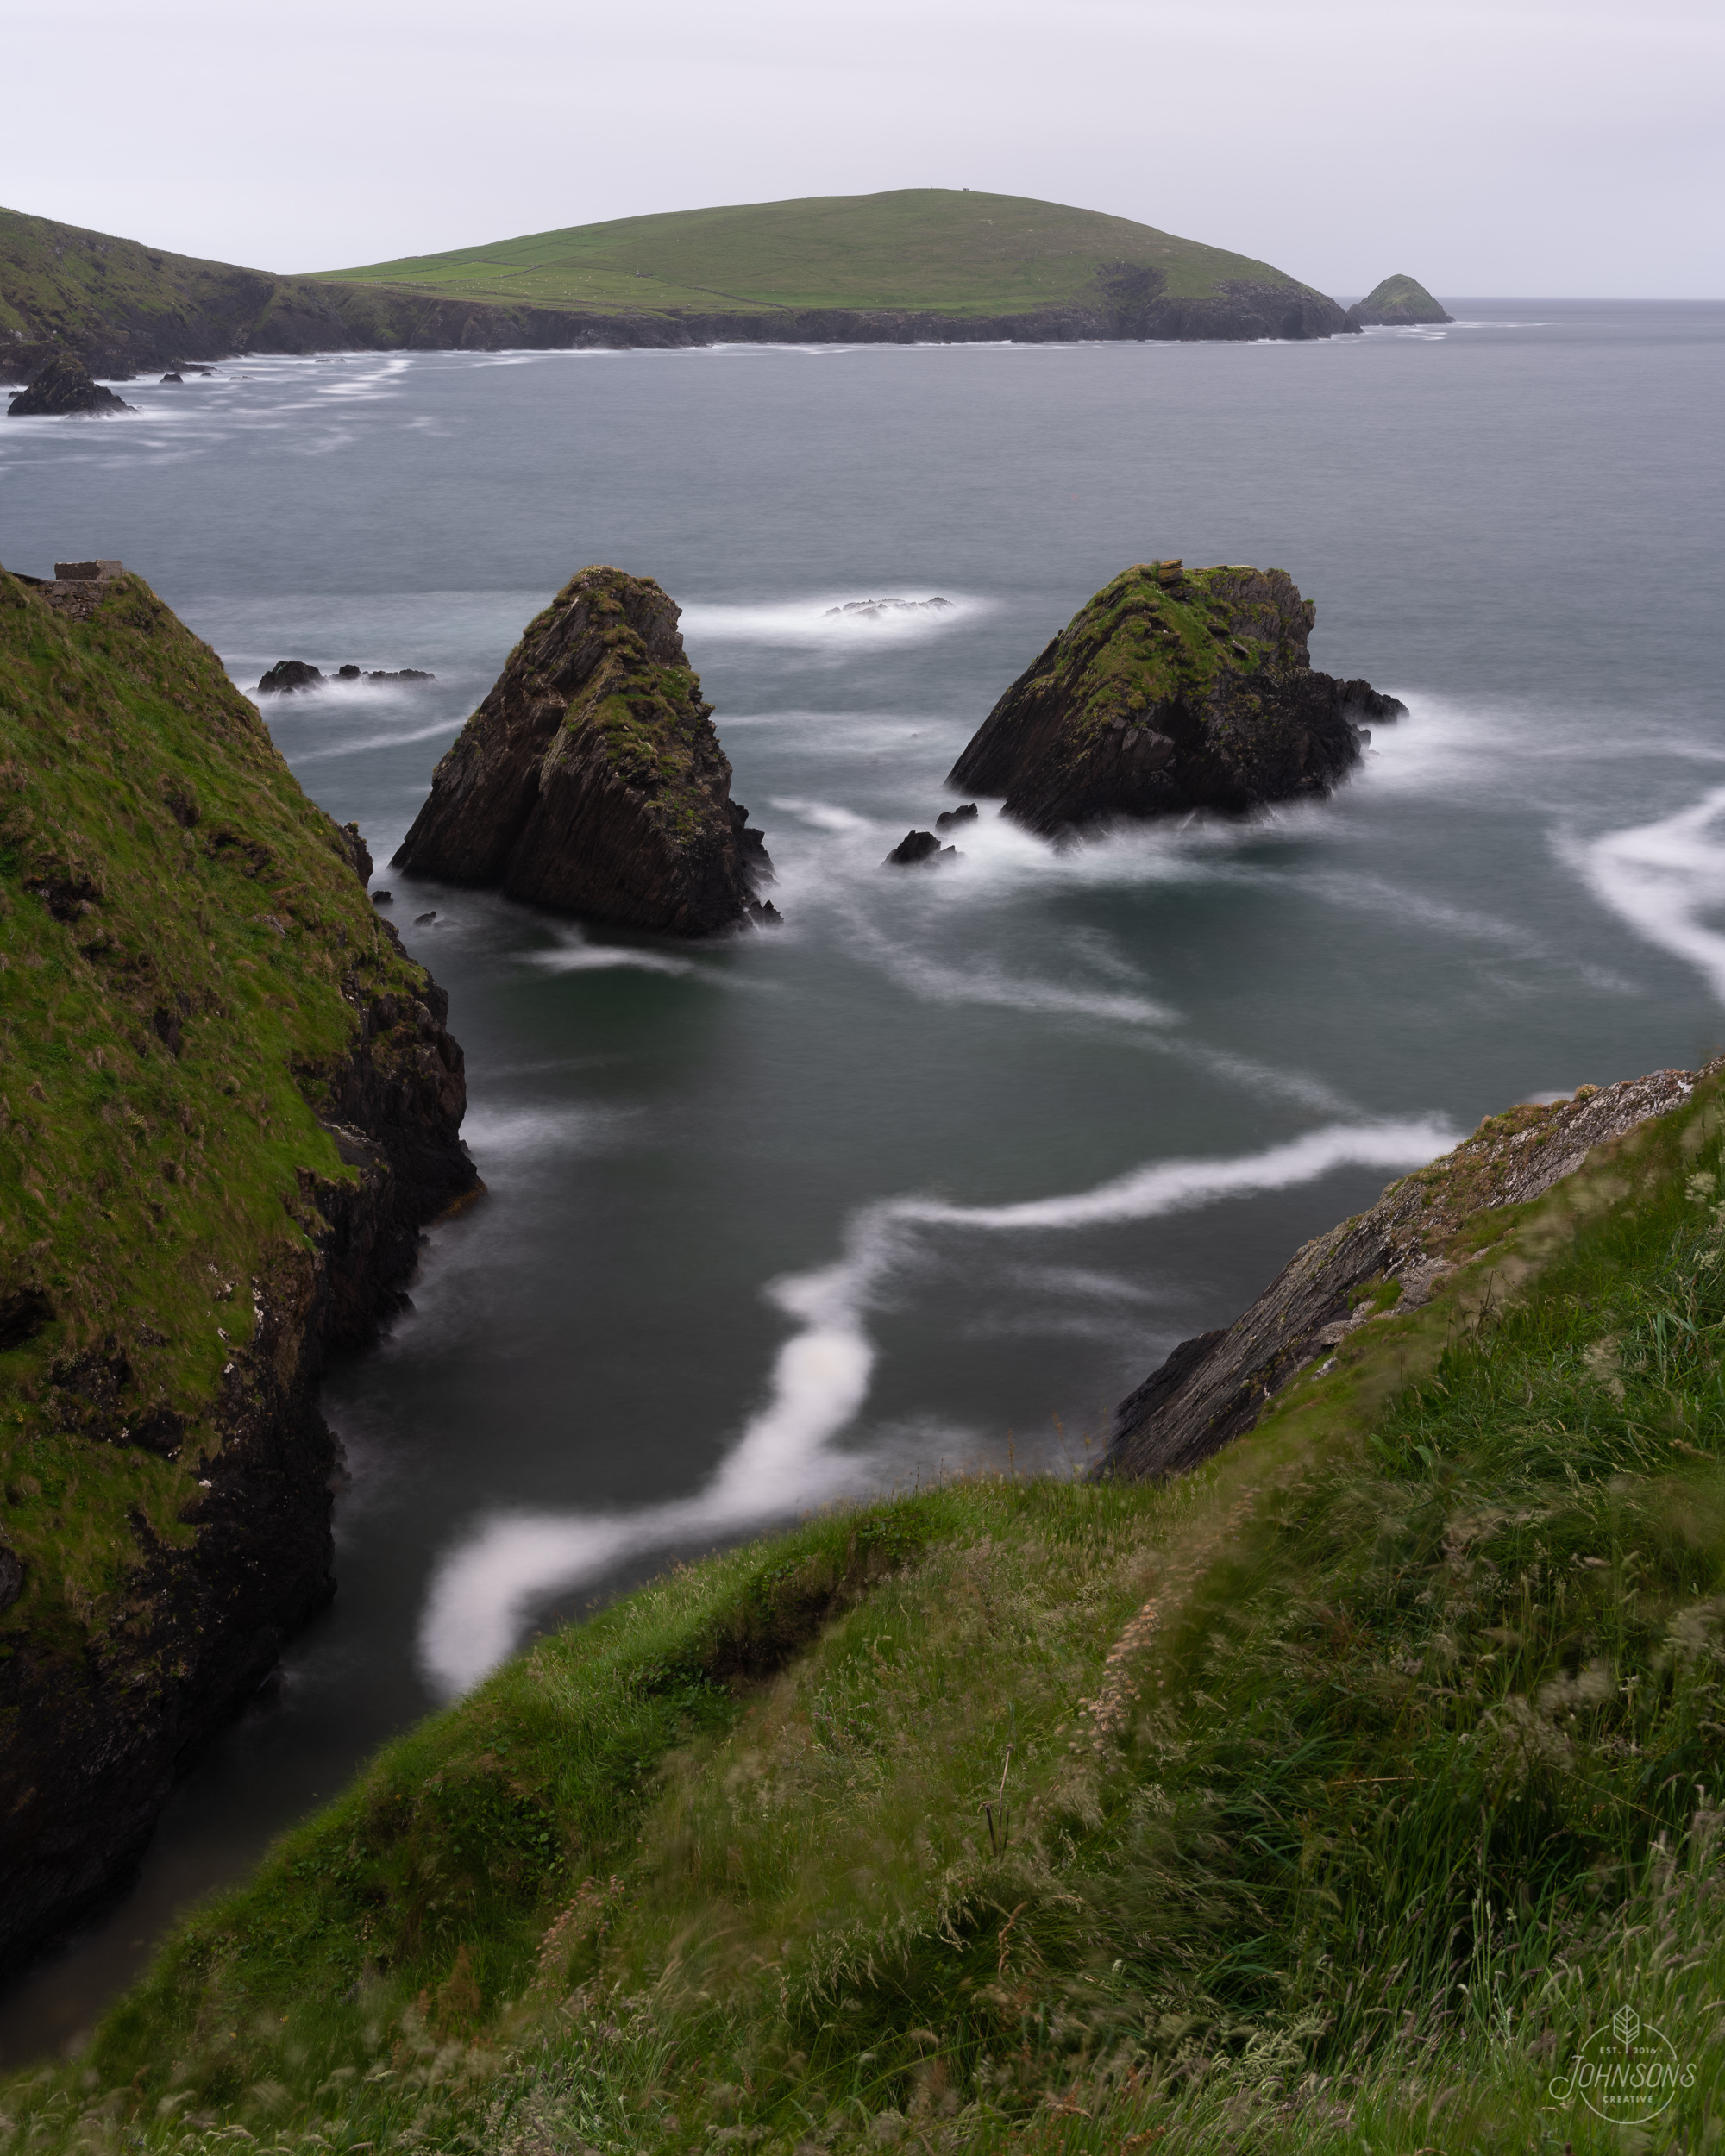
{"x":227,"y":1103}
{"x":1172,"y":690}
{"x":1398,"y":302}
{"x":592,"y":779}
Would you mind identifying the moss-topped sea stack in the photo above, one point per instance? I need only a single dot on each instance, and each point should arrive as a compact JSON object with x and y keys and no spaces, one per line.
{"x":591,"y":780}
{"x":1398,"y":302}
{"x":226,"y":1103}
{"x":1174,"y":689}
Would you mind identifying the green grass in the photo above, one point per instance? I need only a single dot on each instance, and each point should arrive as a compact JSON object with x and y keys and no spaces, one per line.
{"x":163,"y":881}
{"x":928,"y":249}
{"x":1324,"y":1799}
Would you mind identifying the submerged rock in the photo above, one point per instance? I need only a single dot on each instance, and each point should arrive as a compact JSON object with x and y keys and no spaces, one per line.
{"x":64,"y":387}
{"x":1174,"y":689}
{"x":591,"y":779}
{"x":1396,"y":302}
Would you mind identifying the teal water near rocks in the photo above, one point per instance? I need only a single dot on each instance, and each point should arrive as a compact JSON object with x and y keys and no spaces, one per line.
{"x":938,"y":1172}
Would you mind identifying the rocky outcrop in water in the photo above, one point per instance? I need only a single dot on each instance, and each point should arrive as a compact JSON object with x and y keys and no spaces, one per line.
{"x":918,"y":849}
{"x":1397,"y":303}
{"x":1174,"y":689}
{"x":591,"y":780}
{"x":289,"y":677}
{"x":267,"y":1109}
{"x":62,"y":388}
{"x":1215,"y":1388}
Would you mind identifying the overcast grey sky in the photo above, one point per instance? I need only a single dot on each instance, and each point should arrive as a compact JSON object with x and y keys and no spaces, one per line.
{"x":1520,"y":146}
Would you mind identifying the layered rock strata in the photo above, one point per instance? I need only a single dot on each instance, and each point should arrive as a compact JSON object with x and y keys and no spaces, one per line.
{"x":1387,"y":1259}
{"x":1172,"y":690}
{"x":1398,"y":303}
{"x":215,"y":1164}
{"x":591,"y":781}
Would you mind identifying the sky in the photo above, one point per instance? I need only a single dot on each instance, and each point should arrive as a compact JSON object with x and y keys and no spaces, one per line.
{"x":1520,"y":148}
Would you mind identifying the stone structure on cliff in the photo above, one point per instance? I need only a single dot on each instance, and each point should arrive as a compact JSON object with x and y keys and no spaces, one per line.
{"x":63,"y":386}
{"x":1387,"y":1259}
{"x":591,"y":781}
{"x":215,"y":1165}
{"x":1398,"y":302}
{"x":1174,"y":689}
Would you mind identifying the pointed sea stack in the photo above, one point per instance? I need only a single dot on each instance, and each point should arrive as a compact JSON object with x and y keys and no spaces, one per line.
{"x":1398,"y":302}
{"x":591,"y":780}
{"x":1174,"y":689}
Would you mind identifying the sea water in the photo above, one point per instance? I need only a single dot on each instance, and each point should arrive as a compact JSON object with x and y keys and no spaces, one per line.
{"x":932,"y":1175}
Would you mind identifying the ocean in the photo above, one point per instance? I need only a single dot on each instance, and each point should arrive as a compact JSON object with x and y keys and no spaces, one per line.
{"x":931,"y":1177}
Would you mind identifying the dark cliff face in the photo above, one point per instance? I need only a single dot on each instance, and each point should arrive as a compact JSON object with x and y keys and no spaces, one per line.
{"x":1172,"y":690}
{"x":1214,"y":1388}
{"x":215,"y":1156}
{"x":591,"y":779}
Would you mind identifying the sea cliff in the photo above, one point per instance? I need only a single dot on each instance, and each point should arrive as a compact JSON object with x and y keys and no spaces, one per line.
{"x":228,"y":1102}
{"x":1361,"y":1774}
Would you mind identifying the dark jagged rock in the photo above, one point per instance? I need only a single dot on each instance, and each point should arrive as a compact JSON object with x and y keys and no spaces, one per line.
{"x":1173,"y":690}
{"x":1397,"y":303}
{"x":591,"y":779}
{"x":288,"y":675}
{"x":918,"y":849}
{"x":1214,"y":1388}
{"x":64,"y":388}
{"x":174,"y":377}
{"x":948,"y":817}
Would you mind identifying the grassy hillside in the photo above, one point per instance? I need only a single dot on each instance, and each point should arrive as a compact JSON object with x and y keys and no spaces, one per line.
{"x":1327,"y":1799}
{"x":928,"y":249}
{"x":177,"y":920}
{"x":126,"y":307}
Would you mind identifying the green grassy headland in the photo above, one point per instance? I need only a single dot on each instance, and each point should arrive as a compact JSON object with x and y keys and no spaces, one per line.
{"x":182,"y":943}
{"x":925,"y":249}
{"x":1327,"y":1799}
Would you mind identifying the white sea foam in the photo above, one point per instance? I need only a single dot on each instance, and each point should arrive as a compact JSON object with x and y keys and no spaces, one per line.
{"x":843,"y":619}
{"x":785,"y":1456}
{"x":1667,"y":881}
{"x":574,"y":954}
{"x":400,"y":738}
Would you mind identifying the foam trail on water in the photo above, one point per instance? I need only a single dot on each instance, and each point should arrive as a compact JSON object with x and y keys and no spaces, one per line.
{"x":1665,"y":879}
{"x":482,"y":1591}
{"x":575,"y":955}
